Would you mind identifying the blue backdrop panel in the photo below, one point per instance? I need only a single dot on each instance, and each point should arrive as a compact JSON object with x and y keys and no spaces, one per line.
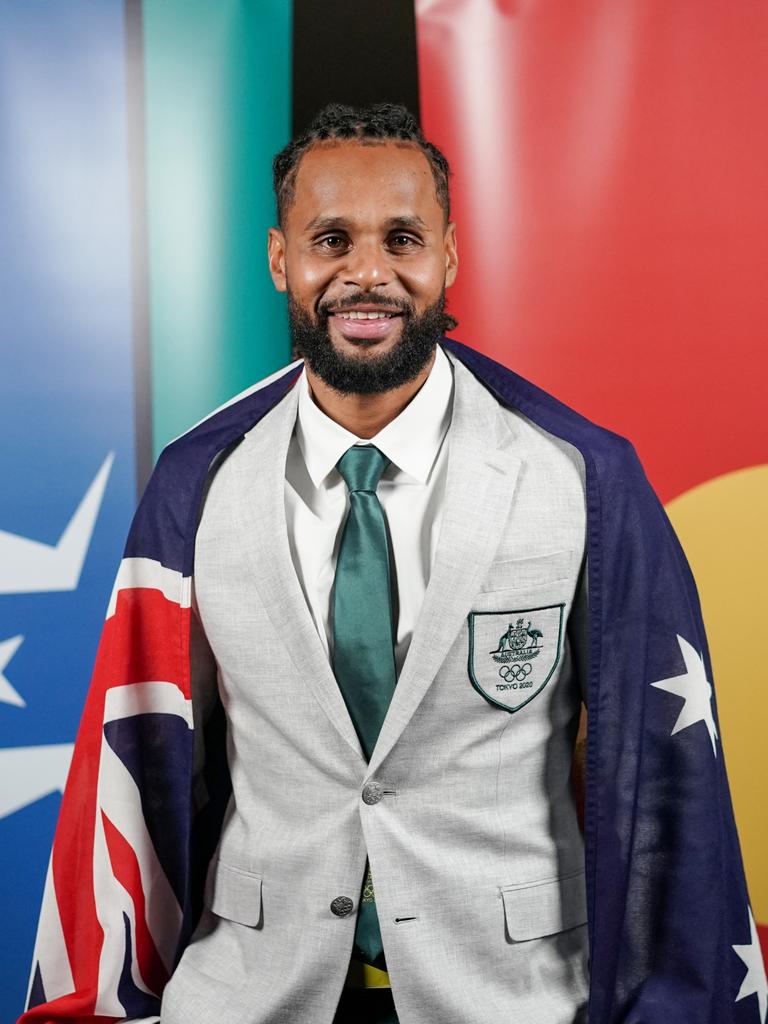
{"x":67,"y":458}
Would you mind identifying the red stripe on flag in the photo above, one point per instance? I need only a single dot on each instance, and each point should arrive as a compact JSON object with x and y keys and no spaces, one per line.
{"x":125,"y":865}
{"x":70,"y":1008}
{"x":164,"y":630}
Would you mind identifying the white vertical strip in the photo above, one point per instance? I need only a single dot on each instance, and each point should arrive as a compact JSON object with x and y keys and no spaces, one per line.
{"x":150,"y":574}
{"x":50,"y":947}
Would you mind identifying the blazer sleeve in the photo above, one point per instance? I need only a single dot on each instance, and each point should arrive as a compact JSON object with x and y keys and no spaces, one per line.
{"x":668,"y":900}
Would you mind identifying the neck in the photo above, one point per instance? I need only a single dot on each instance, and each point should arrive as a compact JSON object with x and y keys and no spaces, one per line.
{"x":365,"y":415}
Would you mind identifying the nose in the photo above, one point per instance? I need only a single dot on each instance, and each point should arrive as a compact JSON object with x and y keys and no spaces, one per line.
{"x":367,"y":266}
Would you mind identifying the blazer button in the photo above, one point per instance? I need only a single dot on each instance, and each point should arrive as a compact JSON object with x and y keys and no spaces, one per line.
{"x":342,"y":906}
{"x":372,"y":793}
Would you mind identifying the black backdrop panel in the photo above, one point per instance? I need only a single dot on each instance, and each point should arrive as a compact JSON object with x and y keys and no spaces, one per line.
{"x":353,"y":51}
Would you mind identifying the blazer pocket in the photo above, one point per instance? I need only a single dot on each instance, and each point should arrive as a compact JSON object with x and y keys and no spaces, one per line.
{"x":235,"y":894}
{"x":524,"y":573}
{"x":535,"y":909}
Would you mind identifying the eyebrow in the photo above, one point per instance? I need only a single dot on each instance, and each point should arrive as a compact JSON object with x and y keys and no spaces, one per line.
{"x":328,"y":223}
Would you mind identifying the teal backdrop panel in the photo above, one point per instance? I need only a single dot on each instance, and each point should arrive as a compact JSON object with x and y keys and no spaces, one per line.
{"x":218,"y":107}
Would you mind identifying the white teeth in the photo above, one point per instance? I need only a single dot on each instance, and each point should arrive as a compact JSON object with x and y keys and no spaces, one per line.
{"x":356,"y":314}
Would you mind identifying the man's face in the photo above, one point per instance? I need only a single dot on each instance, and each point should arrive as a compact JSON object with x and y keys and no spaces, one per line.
{"x":365,"y":256}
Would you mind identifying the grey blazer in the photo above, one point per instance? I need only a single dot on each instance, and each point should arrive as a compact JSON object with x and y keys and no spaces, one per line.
{"x":466,"y":808}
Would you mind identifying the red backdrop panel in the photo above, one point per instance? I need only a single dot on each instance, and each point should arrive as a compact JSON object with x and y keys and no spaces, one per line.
{"x":612,"y":206}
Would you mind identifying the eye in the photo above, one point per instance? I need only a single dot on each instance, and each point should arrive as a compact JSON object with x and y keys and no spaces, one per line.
{"x":334,"y":243}
{"x":402,"y":241}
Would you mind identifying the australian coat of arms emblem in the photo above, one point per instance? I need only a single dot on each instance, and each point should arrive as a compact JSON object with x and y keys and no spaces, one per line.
{"x":513,"y":654}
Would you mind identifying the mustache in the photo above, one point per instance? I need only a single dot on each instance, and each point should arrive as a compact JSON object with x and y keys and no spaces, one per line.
{"x":403,"y":306}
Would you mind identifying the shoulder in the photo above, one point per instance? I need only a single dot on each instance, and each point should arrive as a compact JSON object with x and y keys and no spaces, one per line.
{"x":166,"y":518}
{"x":627,"y":517}
{"x":230,"y":421}
{"x":607,"y":453}
{"x":198,"y":446}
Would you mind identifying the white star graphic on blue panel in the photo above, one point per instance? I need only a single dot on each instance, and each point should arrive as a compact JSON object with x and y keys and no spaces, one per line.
{"x":8,"y":695}
{"x":28,"y":566}
{"x":695,"y":689}
{"x":754,"y":983}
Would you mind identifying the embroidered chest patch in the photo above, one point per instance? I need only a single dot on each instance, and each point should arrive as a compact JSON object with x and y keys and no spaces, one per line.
{"x":513,"y":654}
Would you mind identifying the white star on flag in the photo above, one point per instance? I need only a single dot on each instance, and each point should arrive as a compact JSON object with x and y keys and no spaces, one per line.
{"x":755,"y":982}
{"x":8,"y":694}
{"x":695,"y":689}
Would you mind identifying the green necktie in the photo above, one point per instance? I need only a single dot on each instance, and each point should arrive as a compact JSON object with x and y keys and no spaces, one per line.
{"x":363,"y":641}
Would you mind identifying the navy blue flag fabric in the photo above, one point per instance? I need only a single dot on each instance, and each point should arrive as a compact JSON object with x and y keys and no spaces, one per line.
{"x":671,"y":934}
{"x":667,"y":897}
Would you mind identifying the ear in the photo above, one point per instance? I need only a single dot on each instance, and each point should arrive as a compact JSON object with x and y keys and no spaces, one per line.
{"x":451,"y":254}
{"x":276,"y":256}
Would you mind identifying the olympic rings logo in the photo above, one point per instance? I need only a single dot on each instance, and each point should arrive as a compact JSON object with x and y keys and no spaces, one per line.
{"x":517,"y":672}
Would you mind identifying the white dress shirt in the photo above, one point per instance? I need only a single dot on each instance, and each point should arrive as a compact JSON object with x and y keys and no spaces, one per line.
{"x":411,"y":492}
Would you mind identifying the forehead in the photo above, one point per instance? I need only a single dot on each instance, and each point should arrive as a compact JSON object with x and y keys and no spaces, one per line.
{"x":357,"y":180}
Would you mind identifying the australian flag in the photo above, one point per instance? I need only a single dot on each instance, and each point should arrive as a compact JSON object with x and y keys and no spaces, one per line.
{"x":672,"y":937}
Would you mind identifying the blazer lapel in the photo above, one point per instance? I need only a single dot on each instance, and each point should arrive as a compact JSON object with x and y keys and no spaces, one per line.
{"x":482,"y":472}
{"x":260,"y":508}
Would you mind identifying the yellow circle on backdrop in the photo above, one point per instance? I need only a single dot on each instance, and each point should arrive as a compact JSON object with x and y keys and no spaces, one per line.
{"x":722,"y":526}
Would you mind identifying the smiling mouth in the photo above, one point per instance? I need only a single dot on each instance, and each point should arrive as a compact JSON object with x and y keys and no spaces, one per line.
{"x":364,"y":323}
{"x":364,"y":310}
{"x":355,"y":314}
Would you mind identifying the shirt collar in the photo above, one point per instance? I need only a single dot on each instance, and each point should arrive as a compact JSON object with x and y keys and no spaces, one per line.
{"x":411,"y":441}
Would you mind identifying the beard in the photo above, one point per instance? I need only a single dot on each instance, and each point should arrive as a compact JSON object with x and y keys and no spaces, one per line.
{"x":349,"y":375}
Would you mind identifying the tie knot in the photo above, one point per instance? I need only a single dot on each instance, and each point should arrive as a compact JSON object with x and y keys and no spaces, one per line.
{"x":361,"y":467}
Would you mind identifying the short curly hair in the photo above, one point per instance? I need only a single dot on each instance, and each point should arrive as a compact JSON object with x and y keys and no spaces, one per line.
{"x":379,"y":122}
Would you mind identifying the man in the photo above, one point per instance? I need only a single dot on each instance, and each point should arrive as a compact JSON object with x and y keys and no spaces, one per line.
{"x":400,"y":839}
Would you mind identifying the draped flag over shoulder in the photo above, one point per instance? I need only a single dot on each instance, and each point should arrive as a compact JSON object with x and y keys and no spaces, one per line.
{"x":119,"y":901}
{"x":671,"y":934}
